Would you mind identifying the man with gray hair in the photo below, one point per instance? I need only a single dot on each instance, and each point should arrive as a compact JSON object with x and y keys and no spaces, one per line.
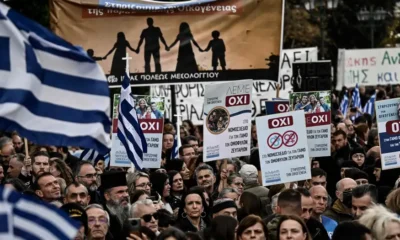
{"x":249,"y":174}
{"x":147,"y":212}
{"x":6,"y":150}
{"x":98,"y":221}
{"x":205,"y":178}
{"x":230,"y":193}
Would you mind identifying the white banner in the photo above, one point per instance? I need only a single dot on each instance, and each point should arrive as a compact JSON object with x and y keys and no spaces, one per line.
{"x":317,"y":108}
{"x":189,"y":97}
{"x":370,"y":67}
{"x":151,"y":119}
{"x":227,"y":120}
{"x":283,"y":148}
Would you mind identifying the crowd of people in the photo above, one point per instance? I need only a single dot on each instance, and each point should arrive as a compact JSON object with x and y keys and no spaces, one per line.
{"x":347,"y":197}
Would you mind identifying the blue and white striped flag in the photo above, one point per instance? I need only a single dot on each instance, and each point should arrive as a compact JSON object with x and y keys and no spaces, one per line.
{"x":344,"y":105}
{"x":92,"y":156}
{"x":129,"y":131}
{"x":175,"y":148}
{"x":370,"y":106}
{"x":51,"y":92}
{"x":356,"y":100}
{"x":22,"y":217}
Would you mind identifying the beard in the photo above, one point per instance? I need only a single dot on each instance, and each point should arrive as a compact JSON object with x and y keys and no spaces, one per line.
{"x":93,"y":187}
{"x":119,"y":210}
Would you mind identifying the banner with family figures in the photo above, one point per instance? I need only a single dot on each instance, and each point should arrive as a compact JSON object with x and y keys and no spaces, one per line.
{"x":227,"y":120}
{"x":371,"y":67}
{"x":219,"y":41}
{"x":150,"y":112}
{"x":284,"y":154}
{"x":317,"y":108}
{"x":388,"y":119}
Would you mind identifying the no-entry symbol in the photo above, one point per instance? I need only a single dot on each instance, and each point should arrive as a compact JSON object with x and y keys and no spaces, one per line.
{"x":274,"y":141}
{"x":290,"y":138}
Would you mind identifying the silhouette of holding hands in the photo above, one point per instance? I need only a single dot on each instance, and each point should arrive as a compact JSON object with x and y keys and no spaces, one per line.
{"x":152,"y":35}
{"x":217,"y":46}
{"x":186,"y":58}
{"x":118,"y":66}
{"x":90,"y":53}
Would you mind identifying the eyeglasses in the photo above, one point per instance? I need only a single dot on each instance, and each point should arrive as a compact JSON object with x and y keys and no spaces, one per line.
{"x":143,"y":185}
{"x":94,"y":175}
{"x":93,"y":220}
{"x":147,"y":217}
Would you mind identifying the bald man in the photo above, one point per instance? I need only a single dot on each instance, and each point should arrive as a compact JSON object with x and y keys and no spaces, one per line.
{"x":320,"y":198}
{"x":341,"y":209}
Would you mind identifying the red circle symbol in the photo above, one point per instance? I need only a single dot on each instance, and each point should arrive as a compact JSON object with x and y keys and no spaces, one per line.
{"x":290,"y":138}
{"x":274,"y":141}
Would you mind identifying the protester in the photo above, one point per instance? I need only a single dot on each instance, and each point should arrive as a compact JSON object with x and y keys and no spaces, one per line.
{"x":252,"y":227}
{"x":98,"y":222}
{"x":382,"y":223}
{"x":292,"y":227}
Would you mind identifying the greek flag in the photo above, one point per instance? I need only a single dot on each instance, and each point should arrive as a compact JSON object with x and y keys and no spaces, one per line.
{"x":51,"y":92}
{"x":92,"y":156}
{"x":129,"y":131}
{"x":344,"y":104}
{"x":22,"y":217}
{"x":370,"y":106}
{"x":175,"y":148}
{"x":356,"y":100}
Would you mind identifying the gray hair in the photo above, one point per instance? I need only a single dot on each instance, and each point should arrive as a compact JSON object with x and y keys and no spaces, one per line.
{"x":98,"y":206}
{"x":137,"y":205}
{"x":274,"y":200}
{"x":226,"y":191}
{"x":377,"y":218}
{"x":19,"y":156}
{"x":203,"y":166}
{"x":232,"y":177}
{"x":132,"y":178}
{"x":4,"y":141}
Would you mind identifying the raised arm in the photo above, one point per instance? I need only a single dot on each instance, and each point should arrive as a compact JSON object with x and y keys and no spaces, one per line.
{"x":112,"y":50}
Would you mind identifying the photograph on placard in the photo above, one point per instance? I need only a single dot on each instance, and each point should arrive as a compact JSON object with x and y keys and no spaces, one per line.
{"x":218,"y":120}
{"x":310,"y":102}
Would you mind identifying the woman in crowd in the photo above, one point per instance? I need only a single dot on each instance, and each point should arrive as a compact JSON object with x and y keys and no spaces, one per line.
{"x":222,"y":228}
{"x":192,"y":215}
{"x":383,"y":224}
{"x":177,"y":189}
{"x":168,"y":143}
{"x":357,"y":155}
{"x":292,"y":227}
{"x":180,"y":166}
{"x":252,"y":227}
{"x":362,"y":132}
{"x":373,"y":138}
{"x":161,"y":187}
{"x":235,"y":181}
{"x":59,"y":168}
{"x":393,"y":201}
{"x":193,"y":130}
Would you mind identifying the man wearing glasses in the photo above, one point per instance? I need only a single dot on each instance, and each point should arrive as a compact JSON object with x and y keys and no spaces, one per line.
{"x":146,"y":211}
{"x":98,"y":221}
{"x":86,"y":175}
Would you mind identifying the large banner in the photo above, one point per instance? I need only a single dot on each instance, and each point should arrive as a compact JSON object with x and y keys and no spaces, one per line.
{"x":227,"y":120}
{"x":370,"y":67}
{"x":317,"y":108}
{"x":190,"y":97}
{"x":219,"y":41}
{"x":388,"y":119}
{"x":150,"y":112}
{"x":283,"y":148}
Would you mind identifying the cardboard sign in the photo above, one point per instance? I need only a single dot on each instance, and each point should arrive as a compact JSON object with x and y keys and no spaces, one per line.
{"x":279,"y":106}
{"x":283,"y":148}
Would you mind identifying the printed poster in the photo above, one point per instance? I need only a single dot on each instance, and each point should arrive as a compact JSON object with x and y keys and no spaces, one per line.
{"x":284,"y":154}
{"x":388,"y":119}
{"x":278,"y":106}
{"x":317,"y":109}
{"x":221,"y":40}
{"x":227,"y":120}
{"x":150,"y":112}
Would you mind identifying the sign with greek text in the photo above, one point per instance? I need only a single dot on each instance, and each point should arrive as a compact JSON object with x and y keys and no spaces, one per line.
{"x":150,"y":113}
{"x":227,"y":120}
{"x":283,"y":148}
{"x":173,"y":43}
{"x":370,"y":67}
{"x":279,"y":106}
{"x":317,"y":108}
{"x":388,"y":119}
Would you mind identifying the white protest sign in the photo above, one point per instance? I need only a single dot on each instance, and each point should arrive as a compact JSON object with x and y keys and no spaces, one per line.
{"x":370,"y":67}
{"x":151,"y":119}
{"x":283,"y":148}
{"x":227,"y":120}
{"x":317,"y":107}
{"x":189,"y":97}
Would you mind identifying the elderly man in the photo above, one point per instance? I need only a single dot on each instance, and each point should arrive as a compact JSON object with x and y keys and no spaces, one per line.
{"x":98,"y":222}
{"x":224,"y":207}
{"x":117,"y":202}
{"x":320,"y":198}
{"x":341,"y":209}
{"x":230,"y":193}
{"x":205,"y":178}
{"x":77,"y":193}
{"x":147,"y":212}
{"x":47,"y":187}
{"x":363,"y":197}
